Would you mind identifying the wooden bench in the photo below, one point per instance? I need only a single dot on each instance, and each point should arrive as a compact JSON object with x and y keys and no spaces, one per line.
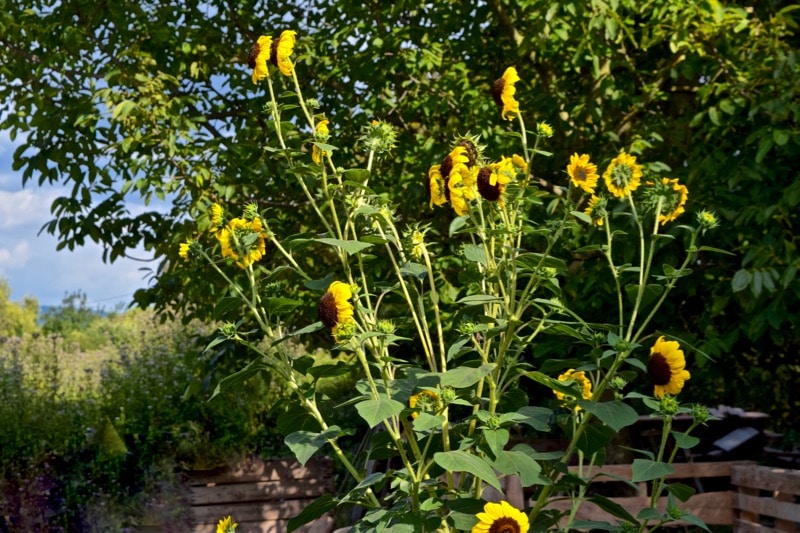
{"x":260,"y":495}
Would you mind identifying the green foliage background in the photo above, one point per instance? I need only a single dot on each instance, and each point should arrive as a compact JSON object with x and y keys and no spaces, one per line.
{"x":151,"y":100}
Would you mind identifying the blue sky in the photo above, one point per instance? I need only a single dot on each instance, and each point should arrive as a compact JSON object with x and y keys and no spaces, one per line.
{"x":29,"y":260}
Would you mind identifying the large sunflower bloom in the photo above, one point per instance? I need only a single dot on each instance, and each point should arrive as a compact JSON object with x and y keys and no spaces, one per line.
{"x":501,"y":517}
{"x":334,"y":307}
{"x":503,"y":91}
{"x":282,"y":49}
{"x":623,"y":175}
{"x":258,"y":56}
{"x":667,"y":368}
{"x":582,"y":172}
{"x":243,"y":240}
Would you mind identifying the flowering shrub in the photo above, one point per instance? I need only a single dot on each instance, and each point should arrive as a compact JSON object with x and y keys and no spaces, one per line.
{"x":440,"y":327}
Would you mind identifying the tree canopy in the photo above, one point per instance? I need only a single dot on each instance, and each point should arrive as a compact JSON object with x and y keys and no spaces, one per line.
{"x":151,"y":101}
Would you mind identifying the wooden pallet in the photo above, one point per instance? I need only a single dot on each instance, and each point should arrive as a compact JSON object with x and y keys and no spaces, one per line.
{"x":712,"y":502}
{"x":260,"y":495}
{"x":767,"y":499}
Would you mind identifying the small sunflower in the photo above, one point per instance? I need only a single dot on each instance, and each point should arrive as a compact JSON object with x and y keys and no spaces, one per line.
{"x":579,"y":378}
{"x":597,"y":209}
{"x":321,"y":133}
{"x":623,"y":175}
{"x":667,"y":368}
{"x":335,"y":308}
{"x":282,"y":49}
{"x":425,"y":401}
{"x":226,"y":525}
{"x":674,"y":200}
{"x":437,"y":187}
{"x":503,"y":91}
{"x":243,"y":240}
{"x":582,"y":172}
{"x":258,"y":56}
{"x":501,"y":517}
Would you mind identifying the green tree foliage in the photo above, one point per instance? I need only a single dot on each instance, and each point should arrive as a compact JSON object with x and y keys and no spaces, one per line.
{"x":148,"y":101}
{"x":16,"y":319}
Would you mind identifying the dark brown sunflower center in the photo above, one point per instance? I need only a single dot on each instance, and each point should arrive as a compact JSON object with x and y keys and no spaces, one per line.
{"x":252,"y":55}
{"x":470,"y":150}
{"x":504,"y":525}
{"x":658,"y":369}
{"x":497,"y":91}
{"x":446,"y":167}
{"x":327,"y":310}
{"x":485,"y":187}
{"x":273,"y":52}
{"x":580,"y":174}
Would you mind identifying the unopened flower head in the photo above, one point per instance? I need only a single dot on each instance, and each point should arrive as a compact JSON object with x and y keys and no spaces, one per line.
{"x":417,"y":244}
{"x":707,"y":220}
{"x":378,"y":136}
{"x":503,"y":91}
{"x":258,"y":56}
{"x":623,"y":175}
{"x":669,"y":405}
{"x":700,"y":413}
{"x":543,"y":129}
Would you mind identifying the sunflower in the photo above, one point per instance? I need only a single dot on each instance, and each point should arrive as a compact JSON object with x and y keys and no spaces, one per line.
{"x":579,"y":378}
{"x":243,"y":240}
{"x":503,"y":91}
{"x":216,"y":215}
{"x":258,"y":56}
{"x":321,"y":133}
{"x":436,"y":186}
{"x":282,"y":49}
{"x":674,"y":200}
{"x":597,"y":209}
{"x":226,"y":525}
{"x":582,"y":172}
{"x":667,"y":368}
{"x":425,"y":401}
{"x":183,"y":250}
{"x":461,"y":185}
{"x":492,"y":180}
{"x":501,"y":517}
{"x":453,"y":180}
{"x":623,"y":175}
{"x":335,"y":308}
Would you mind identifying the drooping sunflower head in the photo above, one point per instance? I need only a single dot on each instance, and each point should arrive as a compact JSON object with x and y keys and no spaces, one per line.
{"x":583,"y":382}
{"x":426,"y":401}
{"x":335,"y":309}
{"x":503,"y":92}
{"x":217,"y":214}
{"x":488,"y":185}
{"x":671,"y":195}
{"x":258,"y":56}
{"x":461,"y":187}
{"x":321,"y":133}
{"x":436,"y":186}
{"x":667,"y":368}
{"x":597,"y":209}
{"x":501,"y":517}
{"x":472,"y":149}
{"x":623,"y":175}
{"x":492,"y":180}
{"x":582,"y":172}
{"x":243,"y":241}
{"x":282,"y":50}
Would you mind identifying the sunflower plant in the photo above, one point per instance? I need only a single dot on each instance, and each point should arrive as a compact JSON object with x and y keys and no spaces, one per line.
{"x":440,"y":328}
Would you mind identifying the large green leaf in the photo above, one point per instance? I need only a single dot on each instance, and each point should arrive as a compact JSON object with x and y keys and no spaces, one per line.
{"x":376,"y":411}
{"x":463,"y":376}
{"x":351,"y":247}
{"x":646,"y":470}
{"x":614,"y":414}
{"x":312,"y":511}
{"x":304,"y":444}
{"x":460,"y":461}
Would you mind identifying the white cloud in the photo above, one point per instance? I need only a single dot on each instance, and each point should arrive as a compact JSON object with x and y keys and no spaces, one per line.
{"x":26,"y":207}
{"x":15,"y":257}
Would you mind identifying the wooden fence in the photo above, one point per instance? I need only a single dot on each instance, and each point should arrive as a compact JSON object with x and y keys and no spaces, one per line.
{"x":261,"y":495}
{"x":750,"y":498}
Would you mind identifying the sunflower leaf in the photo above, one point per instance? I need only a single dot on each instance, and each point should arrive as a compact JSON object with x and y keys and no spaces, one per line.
{"x":646,"y":470}
{"x":460,"y":461}
{"x":351,"y":247}
{"x":615,"y":415}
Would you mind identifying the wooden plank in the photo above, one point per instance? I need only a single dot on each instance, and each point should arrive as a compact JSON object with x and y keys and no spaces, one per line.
{"x":259,"y":491}
{"x":249,"y":512}
{"x":712,"y":507}
{"x":767,"y":506}
{"x":743,"y":526}
{"x":767,"y":478}
{"x":255,"y":469}
{"x":682,"y":470}
{"x":785,"y":525}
